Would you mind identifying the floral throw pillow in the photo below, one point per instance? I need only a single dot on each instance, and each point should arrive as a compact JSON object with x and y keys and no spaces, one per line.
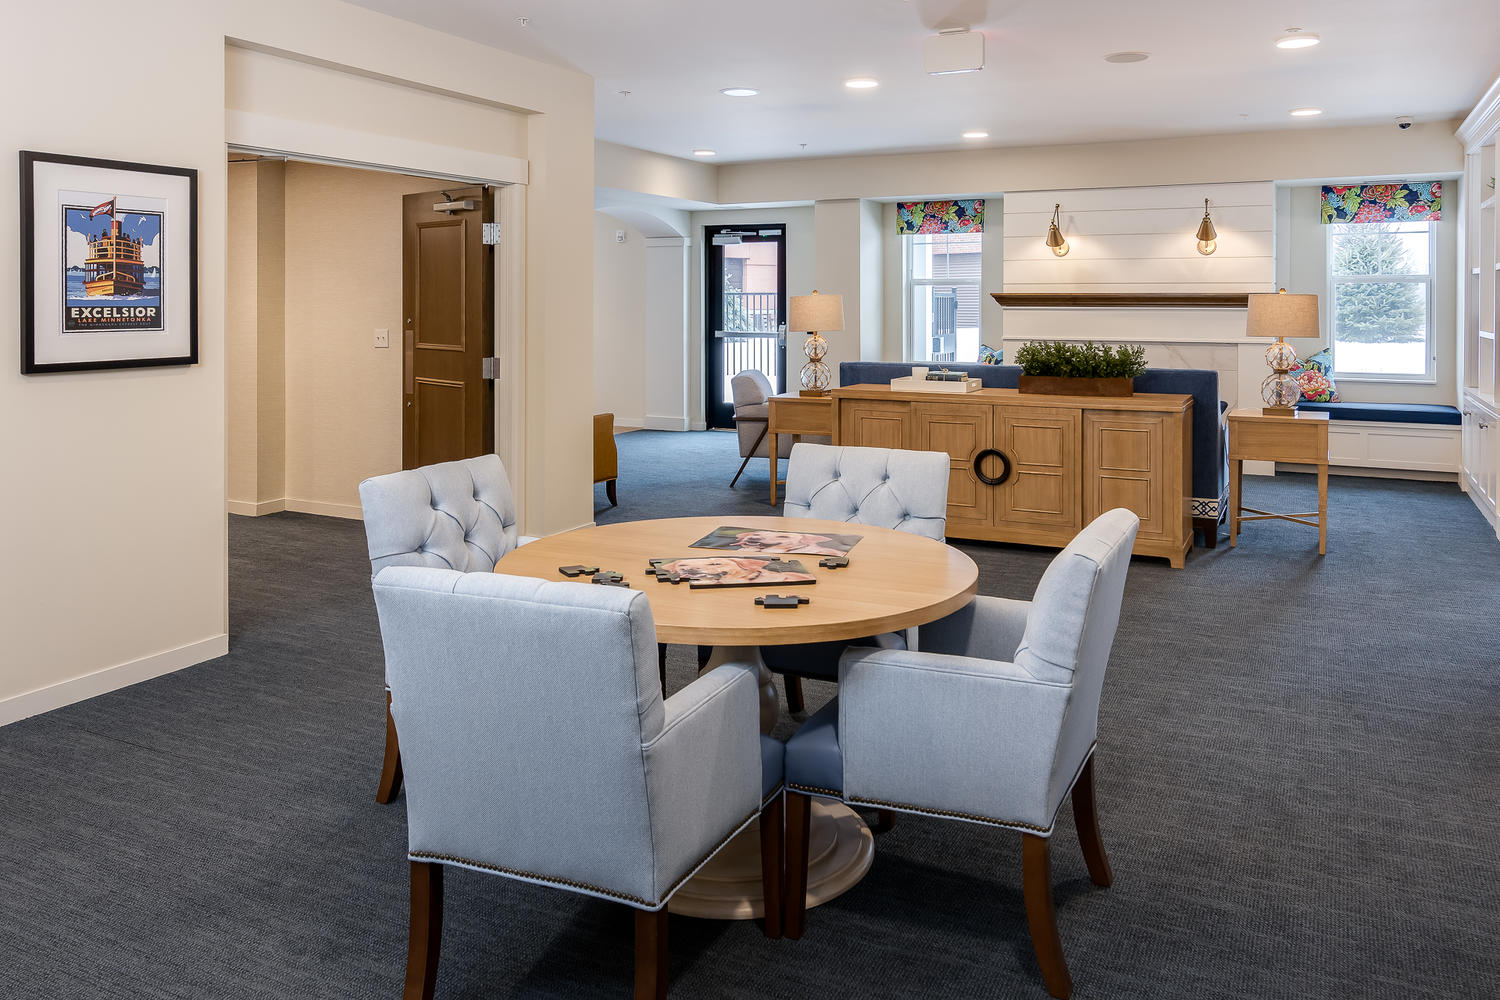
{"x":1314,"y":374}
{"x":989,"y":356}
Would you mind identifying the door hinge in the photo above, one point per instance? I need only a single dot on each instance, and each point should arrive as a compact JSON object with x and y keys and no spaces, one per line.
{"x":487,"y":369}
{"x":491,"y":234}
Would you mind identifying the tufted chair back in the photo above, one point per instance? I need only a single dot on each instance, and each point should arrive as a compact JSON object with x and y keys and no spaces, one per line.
{"x":904,"y":490}
{"x":454,"y":515}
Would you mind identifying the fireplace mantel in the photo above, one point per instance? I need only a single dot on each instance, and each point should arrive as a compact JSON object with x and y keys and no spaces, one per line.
{"x":1122,"y":300}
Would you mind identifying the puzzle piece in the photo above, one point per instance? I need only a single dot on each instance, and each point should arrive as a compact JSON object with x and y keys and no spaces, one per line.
{"x":780,"y":601}
{"x":609,"y":578}
{"x":834,"y":562}
{"x":665,"y":576}
{"x":572,"y":571}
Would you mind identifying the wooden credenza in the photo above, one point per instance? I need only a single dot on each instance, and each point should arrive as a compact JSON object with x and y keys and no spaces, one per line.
{"x":1035,"y":469}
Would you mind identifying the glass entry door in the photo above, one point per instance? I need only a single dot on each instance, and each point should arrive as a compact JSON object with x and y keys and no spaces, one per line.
{"x":745,"y":305}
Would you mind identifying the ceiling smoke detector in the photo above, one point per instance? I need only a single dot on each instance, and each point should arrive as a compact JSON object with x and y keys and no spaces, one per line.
{"x":956,"y":51}
{"x":1127,"y":57}
{"x":1296,"y":38}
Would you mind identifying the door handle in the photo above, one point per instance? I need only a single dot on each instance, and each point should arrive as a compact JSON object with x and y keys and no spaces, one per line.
{"x":1004,"y":467}
{"x":409,"y":359}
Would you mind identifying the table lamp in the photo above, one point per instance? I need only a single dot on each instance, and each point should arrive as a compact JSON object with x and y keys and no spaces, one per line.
{"x":814,"y":314}
{"x":1279,"y":315}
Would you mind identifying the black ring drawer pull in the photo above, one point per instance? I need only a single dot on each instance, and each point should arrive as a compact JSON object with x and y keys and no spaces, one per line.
{"x":992,"y":480}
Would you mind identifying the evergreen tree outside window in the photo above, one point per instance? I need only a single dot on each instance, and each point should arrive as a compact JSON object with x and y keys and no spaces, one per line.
{"x":1380,"y":295}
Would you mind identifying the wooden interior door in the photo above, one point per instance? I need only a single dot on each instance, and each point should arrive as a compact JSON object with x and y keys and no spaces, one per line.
{"x":1124,"y":463}
{"x":1042,"y":444}
{"x":963,"y":430}
{"x":448,"y":301}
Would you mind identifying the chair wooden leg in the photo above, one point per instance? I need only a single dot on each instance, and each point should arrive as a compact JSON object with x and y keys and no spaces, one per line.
{"x":798,"y":833}
{"x":772,"y":859}
{"x":390,"y":771}
{"x":1036,"y":879}
{"x":758,"y":439}
{"x":609,"y":491}
{"x":651,"y":954}
{"x":1086,"y":819}
{"x":794,"y":703}
{"x":661,"y":666}
{"x":705,"y":653}
{"x":885,"y":820}
{"x":426,"y":935}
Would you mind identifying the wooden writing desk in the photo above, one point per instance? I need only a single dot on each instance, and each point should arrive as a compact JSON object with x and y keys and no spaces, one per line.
{"x":1258,"y":437}
{"x":797,"y":415}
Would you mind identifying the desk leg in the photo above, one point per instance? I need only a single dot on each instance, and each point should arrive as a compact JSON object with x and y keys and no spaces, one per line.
{"x":840,"y":852}
{"x":1322,"y":508}
{"x":1236,"y":468}
{"x":775,"y":448}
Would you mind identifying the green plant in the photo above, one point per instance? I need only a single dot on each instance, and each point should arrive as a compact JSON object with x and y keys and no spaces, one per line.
{"x":1088,"y":360}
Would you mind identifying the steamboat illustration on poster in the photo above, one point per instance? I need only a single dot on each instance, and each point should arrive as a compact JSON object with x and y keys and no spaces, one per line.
{"x":112,"y":269}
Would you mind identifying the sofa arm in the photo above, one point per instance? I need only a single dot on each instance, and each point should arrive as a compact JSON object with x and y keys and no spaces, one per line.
{"x":988,"y":627}
{"x":950,"y":734}
{"x":703,"y":770}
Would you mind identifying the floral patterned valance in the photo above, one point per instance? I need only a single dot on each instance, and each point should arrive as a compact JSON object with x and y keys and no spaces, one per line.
{"x":940,"y":217}
{"x":1414,"y":201}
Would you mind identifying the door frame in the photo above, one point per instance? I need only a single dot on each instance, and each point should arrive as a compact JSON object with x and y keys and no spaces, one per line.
{"x":713,"y":305}
{"x":508,"y":176}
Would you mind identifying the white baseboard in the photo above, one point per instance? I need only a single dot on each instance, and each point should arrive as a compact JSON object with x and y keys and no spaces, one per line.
{"x":348,"y":511}
{"x":252,"y":508}
{"x":659,"y":423}
{"x":630,"y":424}
{"x":76,"y":689}
{"x":699,"y":425}
{"x":1366,"y":472}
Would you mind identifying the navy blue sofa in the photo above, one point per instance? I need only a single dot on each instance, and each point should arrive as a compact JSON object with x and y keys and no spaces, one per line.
{"x":1210,"y":464}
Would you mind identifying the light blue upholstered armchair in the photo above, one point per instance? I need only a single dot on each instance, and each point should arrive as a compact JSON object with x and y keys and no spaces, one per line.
{"x":992,"y":722}
{"x":456,"y":515}
{"x":537,"y":746}
{"x":904,"y":490}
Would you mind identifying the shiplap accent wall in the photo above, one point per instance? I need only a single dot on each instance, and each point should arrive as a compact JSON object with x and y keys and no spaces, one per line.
{"x":1142,"y":240}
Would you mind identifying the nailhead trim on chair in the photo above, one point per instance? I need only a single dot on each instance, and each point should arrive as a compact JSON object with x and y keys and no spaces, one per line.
{"x":590,"y":887}
{"x":879,"y":804}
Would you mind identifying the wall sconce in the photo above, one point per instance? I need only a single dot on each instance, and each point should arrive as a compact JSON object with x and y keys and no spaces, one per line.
{"x":1208,"y":240}
{"x":1054,"y":234}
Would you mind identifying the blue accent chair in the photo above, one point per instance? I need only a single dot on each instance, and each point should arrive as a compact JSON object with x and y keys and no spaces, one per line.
{"x":903,"y":490}
{"x":537,"y":746}
{"x":456,"y":515}
{"x":993,"y":721}
{"x":1210,"y":434}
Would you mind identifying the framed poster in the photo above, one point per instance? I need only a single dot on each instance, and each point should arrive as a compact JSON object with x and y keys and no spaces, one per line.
{"x":109,"y":264}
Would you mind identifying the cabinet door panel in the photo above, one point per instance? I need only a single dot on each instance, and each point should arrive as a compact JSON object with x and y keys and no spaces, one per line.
{"x":1042,"y":444}
{"x":873,"y":423}
{"x":962,"y":430}
{"x":1125,"y":466}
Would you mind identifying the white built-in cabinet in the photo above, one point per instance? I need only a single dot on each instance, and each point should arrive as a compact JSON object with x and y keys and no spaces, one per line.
{"x":1479,"y":364}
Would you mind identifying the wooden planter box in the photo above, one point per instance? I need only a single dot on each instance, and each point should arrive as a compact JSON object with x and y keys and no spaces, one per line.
{"x":1054,"y":385}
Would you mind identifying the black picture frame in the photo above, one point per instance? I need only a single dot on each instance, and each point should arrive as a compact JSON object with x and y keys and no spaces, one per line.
{"x":28,"y":332}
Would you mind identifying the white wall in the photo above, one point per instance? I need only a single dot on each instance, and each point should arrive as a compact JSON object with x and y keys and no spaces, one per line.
{"x":619,"y":321}
{"x":126,"y":470}
{"x":1302,"y":266}
{"x":801,"y":279}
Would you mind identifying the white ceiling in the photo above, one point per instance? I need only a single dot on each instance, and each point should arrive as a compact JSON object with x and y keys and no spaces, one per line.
{"x":1213,"y":67}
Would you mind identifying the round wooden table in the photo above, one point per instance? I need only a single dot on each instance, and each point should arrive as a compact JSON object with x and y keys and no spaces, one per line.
{"x":894,"y":581}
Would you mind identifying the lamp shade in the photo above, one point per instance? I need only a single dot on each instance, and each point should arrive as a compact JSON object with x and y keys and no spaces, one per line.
{"x":806,"y":313}
{"x":1277,"y":314}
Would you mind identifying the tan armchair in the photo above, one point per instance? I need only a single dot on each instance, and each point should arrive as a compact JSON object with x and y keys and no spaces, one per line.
{"x":606,"y":455}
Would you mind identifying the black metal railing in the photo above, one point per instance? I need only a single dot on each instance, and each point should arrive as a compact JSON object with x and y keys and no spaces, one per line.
{"x":751,"y":337}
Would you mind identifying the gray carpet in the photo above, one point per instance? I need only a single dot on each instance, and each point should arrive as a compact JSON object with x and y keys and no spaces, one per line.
{"x":1297,"y":782}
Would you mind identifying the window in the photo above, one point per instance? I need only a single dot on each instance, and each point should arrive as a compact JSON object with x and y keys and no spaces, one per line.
{"x":942,"y":296}
{"x":1380,"y":287}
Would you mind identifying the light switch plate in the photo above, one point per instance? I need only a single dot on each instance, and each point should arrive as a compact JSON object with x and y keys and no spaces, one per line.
{"x":382,"y":338}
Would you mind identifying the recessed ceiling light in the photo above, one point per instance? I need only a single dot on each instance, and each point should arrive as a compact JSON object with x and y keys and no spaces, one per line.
{"x":1127,"y":57}
{"x":976,"y":134}
{"x":1296,"y":38}
{"x":739,"y":92}
{"x":705,"y":152}
{"x":1305,"y":112}
{"x":861,"y":83}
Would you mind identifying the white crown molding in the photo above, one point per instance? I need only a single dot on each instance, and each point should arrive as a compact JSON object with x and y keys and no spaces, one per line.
{"x":1483,"y":121}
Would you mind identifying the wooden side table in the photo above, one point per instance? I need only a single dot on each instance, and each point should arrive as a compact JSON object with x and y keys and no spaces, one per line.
{"x":795,"y":414}
{"x":1259,"y":437}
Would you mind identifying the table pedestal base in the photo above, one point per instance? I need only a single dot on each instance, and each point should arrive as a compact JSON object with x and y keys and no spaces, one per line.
{"x":728,"y":887}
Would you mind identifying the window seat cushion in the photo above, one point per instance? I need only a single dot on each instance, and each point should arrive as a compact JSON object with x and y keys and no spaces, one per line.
{"x":1394,"y":413}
